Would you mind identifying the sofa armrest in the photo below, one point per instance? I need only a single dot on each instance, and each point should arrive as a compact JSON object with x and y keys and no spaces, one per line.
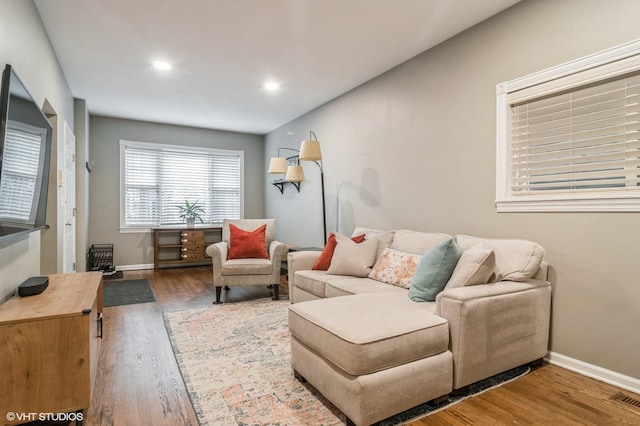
{"x":277,"y":253}
{"x":495,"y":327}
{"x":299,"y":261}
{"x":218,"y":253}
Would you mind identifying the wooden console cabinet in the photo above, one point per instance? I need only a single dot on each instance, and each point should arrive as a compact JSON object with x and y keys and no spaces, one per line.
{"x":49,"y":347}
{"x":183,"y":246}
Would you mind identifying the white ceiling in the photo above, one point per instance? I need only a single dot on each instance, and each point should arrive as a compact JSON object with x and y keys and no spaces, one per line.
{"x":222,"y":51}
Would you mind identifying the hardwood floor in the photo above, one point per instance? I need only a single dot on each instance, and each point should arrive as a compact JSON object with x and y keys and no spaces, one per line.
{"x":548,"y":395}
{"x":138,"y":381}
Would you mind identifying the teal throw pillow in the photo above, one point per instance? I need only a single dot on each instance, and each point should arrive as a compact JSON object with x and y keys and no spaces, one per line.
{"x":434,"y":270}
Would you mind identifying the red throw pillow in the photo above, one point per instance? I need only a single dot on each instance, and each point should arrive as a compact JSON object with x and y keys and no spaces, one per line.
{"x":323,"y":262}
{"x":247,"y":244}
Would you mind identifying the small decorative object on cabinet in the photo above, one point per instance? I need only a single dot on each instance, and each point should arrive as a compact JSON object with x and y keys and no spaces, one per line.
{"x":190,"y":212}
{"x":183,"y":246}
{"x":49,"y":346}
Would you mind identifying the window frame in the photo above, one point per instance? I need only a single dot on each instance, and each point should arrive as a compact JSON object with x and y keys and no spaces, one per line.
{"x":124,"y":228}
{"x":38,"y":133}
{"x":597,"y":67}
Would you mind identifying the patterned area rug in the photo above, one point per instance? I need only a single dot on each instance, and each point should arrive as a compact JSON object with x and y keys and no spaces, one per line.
{"x":236,"y":364}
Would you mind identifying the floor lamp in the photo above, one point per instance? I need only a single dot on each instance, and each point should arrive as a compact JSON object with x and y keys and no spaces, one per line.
{"x":310,"y":151}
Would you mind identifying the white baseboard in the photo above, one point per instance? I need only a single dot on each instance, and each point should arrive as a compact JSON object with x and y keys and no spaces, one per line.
{"x":611,"y":377}
{"x":134,"y":267}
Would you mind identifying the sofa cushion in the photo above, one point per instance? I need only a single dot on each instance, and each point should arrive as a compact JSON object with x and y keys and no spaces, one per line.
{"x":314,"y":282}
{"x":345,"y":286}
{"x":247,"y":267}
{"x":351,"y":258}
{"x":476,"y":266}
{"x":395,"y":267}
{"x":323,"y":262}
{"x":365,"y":333}
{"x":416,"y":242}
{"x":516,"y":260}
{"x":434,"y":270}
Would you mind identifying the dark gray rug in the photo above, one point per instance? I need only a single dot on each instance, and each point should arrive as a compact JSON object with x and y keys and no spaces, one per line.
{"x":127,"y":292}
{"x":118,"y":275}
{"x":474,"y":389}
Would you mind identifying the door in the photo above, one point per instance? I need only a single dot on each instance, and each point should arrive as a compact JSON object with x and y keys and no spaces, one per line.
{"x":69,"y":200}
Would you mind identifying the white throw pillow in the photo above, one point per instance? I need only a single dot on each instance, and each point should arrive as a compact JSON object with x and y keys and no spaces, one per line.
{"x":351,"y":258}
{"x":516,"y":260}
{"x":476,"y":266}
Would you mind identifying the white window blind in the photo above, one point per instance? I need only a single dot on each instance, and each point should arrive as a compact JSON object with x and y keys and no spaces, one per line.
{"x":155,"y":179}
{"x":584,"y":140}
{"x":20,"y":165}
{"x":568,"y":138}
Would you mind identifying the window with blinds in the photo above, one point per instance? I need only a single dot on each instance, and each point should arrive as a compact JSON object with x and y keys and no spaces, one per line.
{"x":584,"y":140}
{"x":569,"y":137}
{"x":156,"y":179}
{"x":20,"y":166}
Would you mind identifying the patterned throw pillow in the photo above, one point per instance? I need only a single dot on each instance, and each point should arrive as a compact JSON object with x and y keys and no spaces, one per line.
{"x":395,"y":267}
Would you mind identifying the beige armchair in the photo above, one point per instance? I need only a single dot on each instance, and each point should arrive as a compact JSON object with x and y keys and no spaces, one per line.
{"x":235,"y":272}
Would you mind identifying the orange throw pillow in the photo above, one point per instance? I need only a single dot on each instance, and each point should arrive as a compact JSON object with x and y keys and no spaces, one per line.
{"x":247,"y":244}
{"x":323,"y":262}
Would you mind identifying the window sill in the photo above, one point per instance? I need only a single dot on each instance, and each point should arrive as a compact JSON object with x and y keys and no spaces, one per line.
{"x":601,"y":204}
{"x":134,"y":230}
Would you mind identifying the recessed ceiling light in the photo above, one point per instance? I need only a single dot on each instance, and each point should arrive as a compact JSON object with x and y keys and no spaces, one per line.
{"x":162,"y":65}
{"x":271,"y":86}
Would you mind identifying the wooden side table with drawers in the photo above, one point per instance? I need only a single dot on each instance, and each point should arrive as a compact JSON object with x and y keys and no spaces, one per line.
{"x":183,"y":246}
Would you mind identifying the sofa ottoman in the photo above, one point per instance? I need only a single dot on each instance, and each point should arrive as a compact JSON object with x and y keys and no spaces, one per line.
{"x":372,"y":355}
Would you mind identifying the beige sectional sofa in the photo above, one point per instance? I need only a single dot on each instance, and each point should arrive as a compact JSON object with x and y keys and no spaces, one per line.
{"x":374,"y":352}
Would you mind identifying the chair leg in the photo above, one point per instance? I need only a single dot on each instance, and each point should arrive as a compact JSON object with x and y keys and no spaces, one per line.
{"x":276,"y":292}
{"x":218,"y":292}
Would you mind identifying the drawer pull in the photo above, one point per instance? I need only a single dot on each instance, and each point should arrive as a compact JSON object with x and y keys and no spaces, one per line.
{"x":99,"y":321}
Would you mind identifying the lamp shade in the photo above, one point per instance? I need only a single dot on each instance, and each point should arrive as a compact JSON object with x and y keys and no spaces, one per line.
{"x":278,"y":165}
{"x":294,"y":174}
{"x":310,"y":151}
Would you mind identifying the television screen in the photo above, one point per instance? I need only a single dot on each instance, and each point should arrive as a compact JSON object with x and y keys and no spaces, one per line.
{"x":25,"y":151}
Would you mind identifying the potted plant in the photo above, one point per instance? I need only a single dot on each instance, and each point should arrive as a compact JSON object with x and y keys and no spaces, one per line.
{"x":190,"y":212}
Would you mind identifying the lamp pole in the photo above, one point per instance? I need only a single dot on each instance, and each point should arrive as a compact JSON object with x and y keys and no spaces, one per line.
{"x":324,"y":209}
{"x":310,"y":151}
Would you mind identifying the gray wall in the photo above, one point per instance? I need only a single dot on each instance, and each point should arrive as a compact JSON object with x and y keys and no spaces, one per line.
{"x":81,"y":132}
{"x":105,"y":135}
{"x":25,"y":45}
{"x":415,"y":148}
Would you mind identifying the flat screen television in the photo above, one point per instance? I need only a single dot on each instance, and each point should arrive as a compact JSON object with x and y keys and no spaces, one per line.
{"x":25,"y":153}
